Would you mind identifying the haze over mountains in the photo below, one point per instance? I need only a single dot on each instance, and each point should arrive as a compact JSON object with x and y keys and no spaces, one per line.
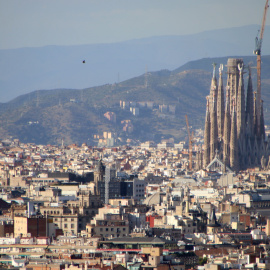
{"x":48,"y":116}
{"x":178,"y":73}
{"x":51,"y":67}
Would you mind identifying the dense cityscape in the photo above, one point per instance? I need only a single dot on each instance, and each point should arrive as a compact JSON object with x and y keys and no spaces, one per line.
{"x":122,"y":204}
{"x":74,"y":207}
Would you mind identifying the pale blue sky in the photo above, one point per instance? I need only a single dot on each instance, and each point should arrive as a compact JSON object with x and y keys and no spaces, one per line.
{"x":34,"y":23}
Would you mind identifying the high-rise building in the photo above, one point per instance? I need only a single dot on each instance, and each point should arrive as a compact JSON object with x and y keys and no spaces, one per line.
{"x":231,"y":124}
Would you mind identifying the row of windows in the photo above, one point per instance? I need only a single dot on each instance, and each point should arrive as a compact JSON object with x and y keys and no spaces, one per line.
{"x":112,"y":235}
{"x":65,"y":219}
{"x":112,"y":229}
{"x":52,"y":212}
{"x":72,"y":226}
{"x":73,"y":205}
{"x":43,"y":181}
{"x":266,"y":204}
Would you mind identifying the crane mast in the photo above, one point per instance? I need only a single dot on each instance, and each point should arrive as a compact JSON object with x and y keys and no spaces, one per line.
{"x":257,"y":52}
{"x":190,"y":139}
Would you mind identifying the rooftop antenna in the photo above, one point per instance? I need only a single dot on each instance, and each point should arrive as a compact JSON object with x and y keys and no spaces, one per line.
{"x":37,"y":104}
{"x":82,"y":97}
{"x":146,"y":78}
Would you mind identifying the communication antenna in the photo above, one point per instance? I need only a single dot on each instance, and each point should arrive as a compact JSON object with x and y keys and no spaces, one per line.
{"x":82,"y":97}
{"x":37,"y":104}
{"x":146,"y":78}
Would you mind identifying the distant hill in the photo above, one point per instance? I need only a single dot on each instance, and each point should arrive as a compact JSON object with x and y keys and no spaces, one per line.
{"x":27,"y":69}
{"x":48,"y":116}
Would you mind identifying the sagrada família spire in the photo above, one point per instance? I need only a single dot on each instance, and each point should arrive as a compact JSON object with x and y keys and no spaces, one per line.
{"x":234,"y":126}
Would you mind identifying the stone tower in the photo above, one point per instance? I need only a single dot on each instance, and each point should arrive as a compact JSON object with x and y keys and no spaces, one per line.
{"x":220,"y":104}
{"x":250,"y":106}
{"x":231,"y":127}
{"x":227,"y":131}
{"x":233,"y":142}
{"x":206,"y":159}
{"x":99,"y":175}
{"x":214,"y":127}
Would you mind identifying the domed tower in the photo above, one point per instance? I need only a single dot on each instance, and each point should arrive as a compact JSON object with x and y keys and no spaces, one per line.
{"x":100,"y":172}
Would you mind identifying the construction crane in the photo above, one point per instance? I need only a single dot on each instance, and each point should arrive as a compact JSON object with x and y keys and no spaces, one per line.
{"x":190,"y":139}
{"x":257,"y":51}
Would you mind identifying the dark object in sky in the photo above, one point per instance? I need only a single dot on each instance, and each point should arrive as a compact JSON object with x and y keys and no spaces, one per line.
{"x":83,"y":61}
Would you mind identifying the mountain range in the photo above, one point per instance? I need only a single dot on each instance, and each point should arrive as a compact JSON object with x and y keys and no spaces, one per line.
{"x":25,"y":70}
{"x":75,"y":116}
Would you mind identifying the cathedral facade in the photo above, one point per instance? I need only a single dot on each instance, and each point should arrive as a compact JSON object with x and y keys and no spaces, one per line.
{"x":234,"y":122}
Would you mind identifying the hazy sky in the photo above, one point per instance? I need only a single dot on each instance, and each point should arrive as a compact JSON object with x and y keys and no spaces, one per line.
{"x":32,"y":23}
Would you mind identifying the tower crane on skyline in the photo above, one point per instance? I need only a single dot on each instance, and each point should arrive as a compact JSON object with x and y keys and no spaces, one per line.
{"x":190,"y":140}
{"x":257,"y":52}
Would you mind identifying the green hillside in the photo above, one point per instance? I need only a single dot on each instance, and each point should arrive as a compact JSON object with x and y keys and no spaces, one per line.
{"x":48,"y":116}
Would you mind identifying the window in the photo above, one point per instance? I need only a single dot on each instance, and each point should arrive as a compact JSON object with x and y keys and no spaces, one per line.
{"x":107,"y":229}
{"x":72,"y":226}
{"x":65,"y":226}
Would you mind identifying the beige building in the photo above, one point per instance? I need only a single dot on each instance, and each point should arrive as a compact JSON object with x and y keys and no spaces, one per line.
{"x":30,"y":227}
{"x":108,"y":223}
{"x":73,"y":216}
{"x":108,"y":228}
